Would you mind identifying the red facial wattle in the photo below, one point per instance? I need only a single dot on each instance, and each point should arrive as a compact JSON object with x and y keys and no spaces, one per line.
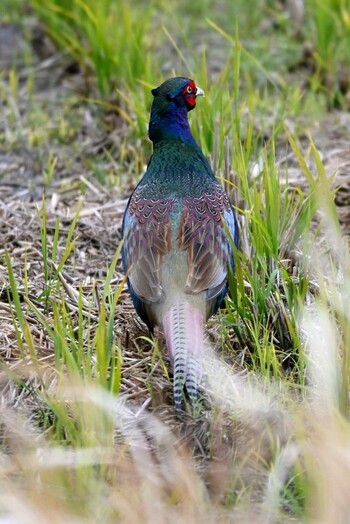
{"x":189,"y":94}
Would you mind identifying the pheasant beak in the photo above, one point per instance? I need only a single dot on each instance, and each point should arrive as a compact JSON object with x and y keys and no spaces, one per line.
{"x":199,"y":92}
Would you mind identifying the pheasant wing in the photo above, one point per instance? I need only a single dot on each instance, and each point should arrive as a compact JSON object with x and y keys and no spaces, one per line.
{"x":204,"y":235}
{"x":147,"y":237}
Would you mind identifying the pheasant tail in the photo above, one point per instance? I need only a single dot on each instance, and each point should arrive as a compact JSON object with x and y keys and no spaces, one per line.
{"x":183,"y":327}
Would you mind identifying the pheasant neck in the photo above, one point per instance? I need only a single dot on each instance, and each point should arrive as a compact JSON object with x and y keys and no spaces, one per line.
{"x":170,"y":125}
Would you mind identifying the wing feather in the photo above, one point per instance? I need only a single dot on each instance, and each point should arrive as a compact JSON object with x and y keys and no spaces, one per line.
{"x":202,"y":233}
{"x":147,"y":237}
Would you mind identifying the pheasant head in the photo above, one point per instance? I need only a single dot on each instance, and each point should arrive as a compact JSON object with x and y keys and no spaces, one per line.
{"x":172,"y":101}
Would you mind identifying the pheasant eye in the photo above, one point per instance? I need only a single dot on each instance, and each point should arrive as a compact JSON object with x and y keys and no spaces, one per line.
{"x":189,"y":89}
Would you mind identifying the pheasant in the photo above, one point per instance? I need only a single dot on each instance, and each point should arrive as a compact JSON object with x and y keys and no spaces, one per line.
{"x":176,"y":229}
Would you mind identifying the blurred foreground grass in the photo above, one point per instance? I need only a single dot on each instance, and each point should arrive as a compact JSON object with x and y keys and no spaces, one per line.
{"x":275,"y":445}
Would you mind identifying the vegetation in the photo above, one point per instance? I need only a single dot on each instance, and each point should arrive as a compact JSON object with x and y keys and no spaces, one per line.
{"x":88,"y":430}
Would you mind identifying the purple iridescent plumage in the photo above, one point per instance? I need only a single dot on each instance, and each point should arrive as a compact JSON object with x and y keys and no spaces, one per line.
{"x":176,"y":247}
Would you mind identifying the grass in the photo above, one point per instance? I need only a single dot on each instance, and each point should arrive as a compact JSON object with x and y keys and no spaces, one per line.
{"x":78,"y":429}
{"x":331,"y":30}
{"x":98,"y":36}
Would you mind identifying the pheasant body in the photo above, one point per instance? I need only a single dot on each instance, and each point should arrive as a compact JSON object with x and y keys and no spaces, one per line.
{"x":176,"y":248}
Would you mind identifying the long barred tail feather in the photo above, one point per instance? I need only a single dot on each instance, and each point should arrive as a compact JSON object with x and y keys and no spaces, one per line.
{"x":184,"y":333}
